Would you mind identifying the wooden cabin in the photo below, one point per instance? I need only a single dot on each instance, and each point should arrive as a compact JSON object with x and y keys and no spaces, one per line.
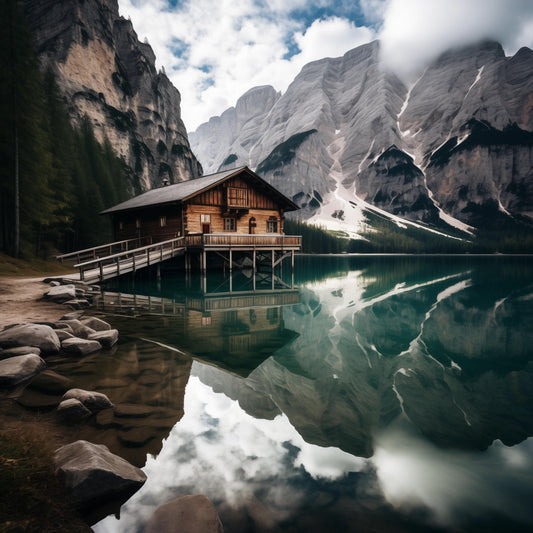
{"x":232,"y":202}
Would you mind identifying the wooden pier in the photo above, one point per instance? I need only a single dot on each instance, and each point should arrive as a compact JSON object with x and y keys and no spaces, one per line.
{"x":122,"y":257}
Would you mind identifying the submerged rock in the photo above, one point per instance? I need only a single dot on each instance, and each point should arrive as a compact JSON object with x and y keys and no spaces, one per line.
{"x":76,"y":346}
{"x":106,"y":338}
{"x":94,"y":401}
{"x":40,"y":336}
{"x":93,"y":474}
{"x":19,"y":350}
{"x":187,"y":514}
{"x":17,"y":369}
{"x":72,"y":410}
{"x":95,"y":323}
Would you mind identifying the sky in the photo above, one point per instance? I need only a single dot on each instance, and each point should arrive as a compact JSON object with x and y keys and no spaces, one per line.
{"x":215,"y":50}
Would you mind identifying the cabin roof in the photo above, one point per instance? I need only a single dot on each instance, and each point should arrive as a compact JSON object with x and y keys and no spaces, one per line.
{"x":184,"y":190}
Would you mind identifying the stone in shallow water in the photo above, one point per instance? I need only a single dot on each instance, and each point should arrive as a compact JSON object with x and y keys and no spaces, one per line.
{"x":95,"y":323}
{"x":94,"y":401}
{"x":32,"y":399}
{"x":187,"y":514}
{"x":136,"y":437}
{"x":17,"y":369}
{"x":50,"y":382}
{"x":43,"y":337}
{"x":19,"y":350}
{"x":72,"y":410}
{"x":77,"y":346}
{"x":93,"y":474}
{"x":106,"y":338}
{"x":129,"y":410}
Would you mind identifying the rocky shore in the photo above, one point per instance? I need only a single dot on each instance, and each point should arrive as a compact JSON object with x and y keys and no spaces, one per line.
{"x":92,"y":474}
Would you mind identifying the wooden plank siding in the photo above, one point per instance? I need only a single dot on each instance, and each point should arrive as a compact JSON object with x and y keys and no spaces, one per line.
{"x":235,"y":198}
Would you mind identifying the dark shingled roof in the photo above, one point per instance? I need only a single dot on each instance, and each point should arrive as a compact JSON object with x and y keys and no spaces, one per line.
{"x":186,"y":189}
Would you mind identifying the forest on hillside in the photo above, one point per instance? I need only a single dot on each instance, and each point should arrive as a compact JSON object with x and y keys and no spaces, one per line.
{"x":55,"y":178}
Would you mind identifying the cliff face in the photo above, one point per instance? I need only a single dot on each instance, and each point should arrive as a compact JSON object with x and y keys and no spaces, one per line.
{"x":104,"y":72}
{"x":454,"y":148}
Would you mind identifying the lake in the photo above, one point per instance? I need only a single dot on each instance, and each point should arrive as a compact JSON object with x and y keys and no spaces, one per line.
{"x":362,"y":393}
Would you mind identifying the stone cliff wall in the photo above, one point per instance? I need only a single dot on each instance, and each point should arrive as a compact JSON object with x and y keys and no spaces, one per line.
{"x":104,"y":72}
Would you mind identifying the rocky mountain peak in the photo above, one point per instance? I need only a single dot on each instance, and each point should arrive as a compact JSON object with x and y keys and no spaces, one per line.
{"x":106,"y":74}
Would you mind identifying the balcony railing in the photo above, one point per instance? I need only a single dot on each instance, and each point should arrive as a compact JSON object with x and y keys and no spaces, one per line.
{"x":244,"y":240}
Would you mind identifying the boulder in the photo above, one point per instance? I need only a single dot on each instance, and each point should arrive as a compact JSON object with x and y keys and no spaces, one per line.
{"x":43,"y":337}
{"x":106,"y":338}
{"x":187,"y":514}
{"x":63,"y":335}
{"x":77,"y":303}
{"x":95,"y":323}
{"x":94,"y":401}
{"x":74,"y":315}
{"x":61,"y":293}
{"x":20,"y":368}
{"x":19,"y":350}
{"x":93,"y":474}
{"x":80,"y":347}
{"x":50,"y":382}
{"x":72,"y":410}
{"x":79,"y":329}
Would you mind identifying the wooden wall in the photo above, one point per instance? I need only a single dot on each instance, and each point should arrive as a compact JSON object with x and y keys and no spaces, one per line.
{"x":150,"y":224}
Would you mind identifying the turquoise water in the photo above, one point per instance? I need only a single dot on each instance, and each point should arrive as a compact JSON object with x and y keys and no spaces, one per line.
{"x":360,"y":394}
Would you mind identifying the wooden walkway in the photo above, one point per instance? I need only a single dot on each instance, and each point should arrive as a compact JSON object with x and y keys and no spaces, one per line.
{"x":115,"y":259}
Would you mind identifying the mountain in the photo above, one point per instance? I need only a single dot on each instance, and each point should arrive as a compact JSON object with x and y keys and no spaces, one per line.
{"x":454,"y":150}
{"x":104,"y":72}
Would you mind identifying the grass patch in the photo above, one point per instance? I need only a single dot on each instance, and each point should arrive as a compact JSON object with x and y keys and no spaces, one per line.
{"x":9,"y":266}
{"x":31,"y":496}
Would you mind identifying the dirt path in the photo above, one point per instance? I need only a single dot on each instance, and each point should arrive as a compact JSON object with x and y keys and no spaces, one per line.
{"x":20,"y":302}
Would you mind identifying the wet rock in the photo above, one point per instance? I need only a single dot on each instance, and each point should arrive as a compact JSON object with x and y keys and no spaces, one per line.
{"x":136,"y":437}
{"x":20,"y":368}
{"x":32,"y":399}
{"x":94,"y":401}
{"x":61,"y":293}
{"x":95,"y":323}
{"x":93,"y":474}
{"x":78,"y":303}
{"x":63,"y":335}
{"x":72,"y":411}
{"x":19,"y":350}
{"x":74,"y":315}
{"x":80,"y":347}
{"x":105,"y":419}
{"x":187,"y":514}
{"x":43,"y":337}
{"x":50,"y":382}
{"x":78,"y":329}
{"x":106,"y":338}
{"x":129,"y":410}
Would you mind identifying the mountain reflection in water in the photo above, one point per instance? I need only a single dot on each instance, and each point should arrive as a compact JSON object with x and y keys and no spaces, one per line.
{"x":395,"y":394}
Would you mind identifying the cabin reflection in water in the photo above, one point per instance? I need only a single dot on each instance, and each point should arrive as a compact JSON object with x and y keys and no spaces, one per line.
{"x":237,"y":330}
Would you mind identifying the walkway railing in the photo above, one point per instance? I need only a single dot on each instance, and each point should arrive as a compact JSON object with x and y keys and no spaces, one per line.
{"x":116,"y":264}
{"x":103,"y":250}
{"x":244,"y":240}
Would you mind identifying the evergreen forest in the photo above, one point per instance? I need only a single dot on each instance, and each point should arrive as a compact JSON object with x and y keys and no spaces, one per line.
{"x":55,"y":178}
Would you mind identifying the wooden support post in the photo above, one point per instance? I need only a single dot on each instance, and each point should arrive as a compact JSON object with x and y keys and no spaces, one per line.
{"x":204,"y":260}
{"x":148,"y":257}
{"x":158,"y":271}
{"x":230,"y":282}
{"x":230,"y":262}
{"x":118,"y":266}
{"x":253,"y":277}
{"x":292,"y":260}
{"x":133,"y":257}
{"x":254,"y":262}
{"x":272,"y":253}
{"x":101,"y":271}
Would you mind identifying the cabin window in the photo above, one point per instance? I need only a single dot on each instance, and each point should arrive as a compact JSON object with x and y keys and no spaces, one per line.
{"x":205,"y":219}
{"x":230,"y":224}
{"x":138,"y":223}
{"x":162,"y":221}
{"x":206,"y":320}
{"x":272,"y":226}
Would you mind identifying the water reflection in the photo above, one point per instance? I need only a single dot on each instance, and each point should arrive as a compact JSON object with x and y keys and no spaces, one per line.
{"x":379,"y":399}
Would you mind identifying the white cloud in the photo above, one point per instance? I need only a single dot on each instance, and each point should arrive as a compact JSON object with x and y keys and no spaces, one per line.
{"x":415,"y":32}
{"x":229,"y":46}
